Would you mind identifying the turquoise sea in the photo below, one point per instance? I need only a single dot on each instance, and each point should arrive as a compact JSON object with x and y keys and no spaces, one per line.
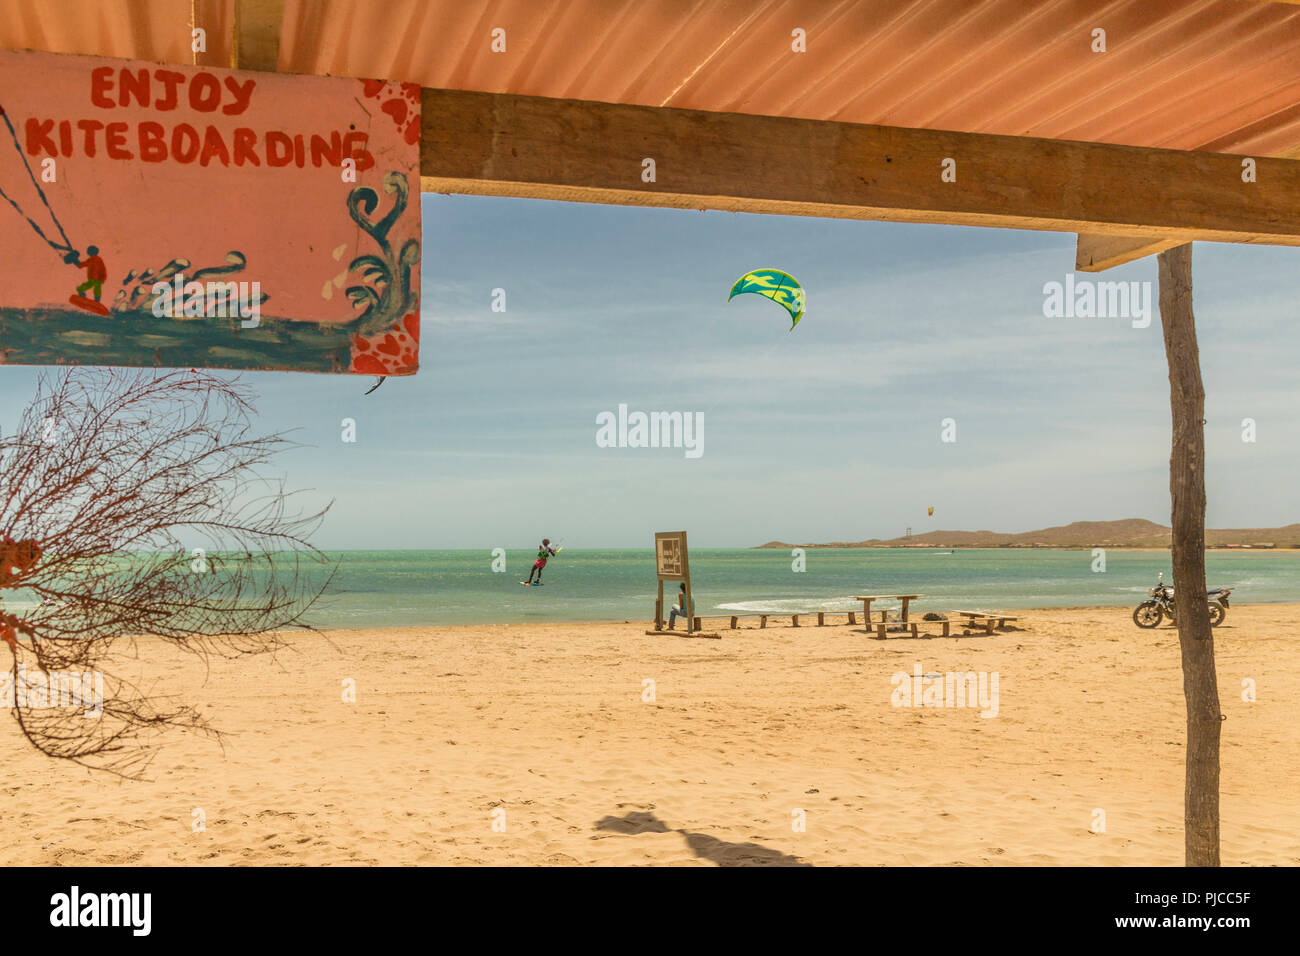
{"x":410,"y":588}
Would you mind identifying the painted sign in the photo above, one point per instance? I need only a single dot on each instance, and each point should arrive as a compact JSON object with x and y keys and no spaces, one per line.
{"x":672,"y":564}
{"x":670,"y":555}
{"x":193,"y":216}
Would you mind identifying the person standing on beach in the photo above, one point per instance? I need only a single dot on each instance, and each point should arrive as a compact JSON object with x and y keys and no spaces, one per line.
{"x":544,"y":551}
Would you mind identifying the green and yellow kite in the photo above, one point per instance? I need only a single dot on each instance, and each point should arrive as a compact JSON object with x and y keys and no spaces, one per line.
{"x":781,"y":287}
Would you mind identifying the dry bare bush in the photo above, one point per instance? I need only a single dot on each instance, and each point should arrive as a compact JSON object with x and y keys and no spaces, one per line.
{"x":111,"y":481}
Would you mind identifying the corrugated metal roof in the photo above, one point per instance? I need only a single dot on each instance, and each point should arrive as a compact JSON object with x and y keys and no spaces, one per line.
{"x":145,"y":29}
{"x":1187,"y":74}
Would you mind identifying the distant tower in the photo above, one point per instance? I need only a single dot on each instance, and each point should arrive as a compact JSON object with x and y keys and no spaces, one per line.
{"x":907,"y":533}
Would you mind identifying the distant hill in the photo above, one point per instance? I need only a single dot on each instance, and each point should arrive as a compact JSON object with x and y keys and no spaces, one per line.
{"x":1126,"y":533}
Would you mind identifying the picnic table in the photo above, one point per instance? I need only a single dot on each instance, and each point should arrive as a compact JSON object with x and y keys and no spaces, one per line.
{"x":866,"y":600}
{"x":986,"y":619}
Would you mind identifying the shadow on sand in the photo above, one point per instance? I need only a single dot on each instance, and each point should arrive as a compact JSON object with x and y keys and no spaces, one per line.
{"x":702,"y":845}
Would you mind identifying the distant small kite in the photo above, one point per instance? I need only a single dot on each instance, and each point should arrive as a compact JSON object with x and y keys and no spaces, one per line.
{"x":781,"y":287}
{"x":931,"y":511}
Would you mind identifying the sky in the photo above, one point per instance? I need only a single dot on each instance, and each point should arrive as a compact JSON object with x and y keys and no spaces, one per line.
{"x":832,"y":431}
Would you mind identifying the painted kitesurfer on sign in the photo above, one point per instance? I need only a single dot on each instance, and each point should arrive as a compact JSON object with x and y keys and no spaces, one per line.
{"x":96,"y":272}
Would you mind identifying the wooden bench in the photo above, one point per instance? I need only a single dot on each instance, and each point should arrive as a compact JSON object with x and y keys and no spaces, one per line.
{"x":866,"y":600}
{"x":881,"y":627}
{"x":821,"y":617}
{"x":762,"y":618}
{"x":794,"y":618}
{"x":986,"y":619}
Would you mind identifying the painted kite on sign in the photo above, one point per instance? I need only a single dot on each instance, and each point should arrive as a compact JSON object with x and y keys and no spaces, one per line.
{"x":199,"y":217}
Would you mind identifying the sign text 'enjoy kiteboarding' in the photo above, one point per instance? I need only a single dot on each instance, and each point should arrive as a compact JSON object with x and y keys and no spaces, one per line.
{"x":191,"y":216}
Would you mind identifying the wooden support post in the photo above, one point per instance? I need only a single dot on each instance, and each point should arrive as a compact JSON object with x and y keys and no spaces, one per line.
{"x":880,"y":633}
{"x":1187,"y":491}
{"x":945,"y":628}
{"x":692,"y":622}
{"x":733,"y":622}
{"x":821,"y":618}
{"x":853,"y":618}
{"x":258,"y":24}
{"x":659,"y":609}
{"x":216,"y":18}
{"x":794,"y":620}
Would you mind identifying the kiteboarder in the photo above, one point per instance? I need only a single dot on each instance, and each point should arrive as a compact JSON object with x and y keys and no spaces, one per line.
{"x":544,"y":551}
{"x":96,"y":272}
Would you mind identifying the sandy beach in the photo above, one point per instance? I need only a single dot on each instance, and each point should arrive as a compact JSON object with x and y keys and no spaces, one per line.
{"x":539,"y":744}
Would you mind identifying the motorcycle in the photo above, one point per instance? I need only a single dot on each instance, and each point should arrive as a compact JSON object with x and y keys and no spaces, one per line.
{"x":1151,"y":613}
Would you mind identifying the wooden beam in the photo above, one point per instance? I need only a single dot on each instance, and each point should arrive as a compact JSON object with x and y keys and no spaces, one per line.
{"x":258,"y":24}
{"x":1093,"y":253}
{"x":499,"y":144}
